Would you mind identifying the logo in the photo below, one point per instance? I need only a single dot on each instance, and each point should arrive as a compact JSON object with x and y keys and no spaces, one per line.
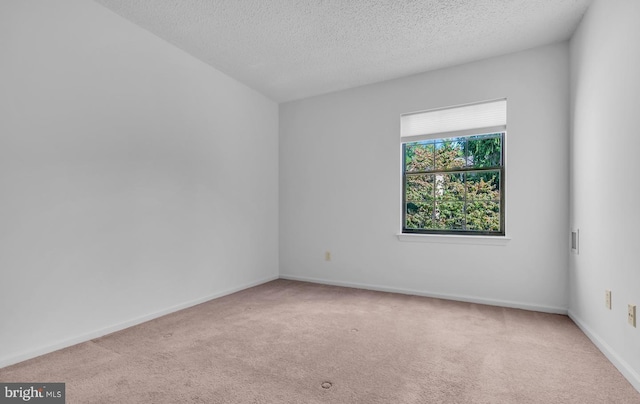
{"x":41,"y":393}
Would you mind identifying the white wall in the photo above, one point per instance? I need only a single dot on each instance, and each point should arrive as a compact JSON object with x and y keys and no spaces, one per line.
{"x":340,"y":186}
{"x":605,"y":100}
{"x":132,"y":182}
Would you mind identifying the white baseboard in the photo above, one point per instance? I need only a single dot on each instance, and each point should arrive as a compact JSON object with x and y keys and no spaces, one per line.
{"x":32,"y":353}
{"x":627,"y":371}
{"x":461,"y":298}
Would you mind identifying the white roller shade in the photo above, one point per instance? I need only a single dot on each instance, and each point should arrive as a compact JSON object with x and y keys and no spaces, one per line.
{"x":485,"y":117}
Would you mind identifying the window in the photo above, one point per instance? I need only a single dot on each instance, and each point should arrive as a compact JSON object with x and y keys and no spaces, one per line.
{"x":453,"y":170}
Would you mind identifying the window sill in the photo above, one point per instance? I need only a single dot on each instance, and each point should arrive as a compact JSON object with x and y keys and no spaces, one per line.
{"x":454,"y":239}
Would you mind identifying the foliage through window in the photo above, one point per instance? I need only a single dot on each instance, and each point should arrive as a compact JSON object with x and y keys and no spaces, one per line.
{"x":454,"y":185}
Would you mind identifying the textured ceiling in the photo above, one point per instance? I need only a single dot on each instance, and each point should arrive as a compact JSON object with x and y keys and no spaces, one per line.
{"x":292,"y":49}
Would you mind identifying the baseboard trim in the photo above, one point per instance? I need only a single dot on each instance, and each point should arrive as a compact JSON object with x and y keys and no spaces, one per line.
{"x":30,"y":354}
{"x":627,"y":371}
{"x":461,"y":298}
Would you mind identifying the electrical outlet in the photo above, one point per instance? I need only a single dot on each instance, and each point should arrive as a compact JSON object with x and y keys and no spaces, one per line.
{"x":607,"y":299}
{"x":327,"y":255}
{"x":632,"y":315}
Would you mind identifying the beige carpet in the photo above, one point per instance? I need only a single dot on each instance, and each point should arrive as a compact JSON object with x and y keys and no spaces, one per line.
{"x":294,"y":342}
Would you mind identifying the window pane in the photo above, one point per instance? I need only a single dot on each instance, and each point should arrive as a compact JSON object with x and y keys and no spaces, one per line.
{"x":450,"y":153}
{"x":419,"y":215}
{"x":450,"y":186}
{"x":449,"y":215}
{"x":483,"y":215}
{"x":483,"y":185}
{"x":419,"y":187}
{"x":484,"y":150}
{"x":418,"y":156}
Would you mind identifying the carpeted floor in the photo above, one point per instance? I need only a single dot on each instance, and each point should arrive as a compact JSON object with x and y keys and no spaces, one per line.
{"x":294,"y":342}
